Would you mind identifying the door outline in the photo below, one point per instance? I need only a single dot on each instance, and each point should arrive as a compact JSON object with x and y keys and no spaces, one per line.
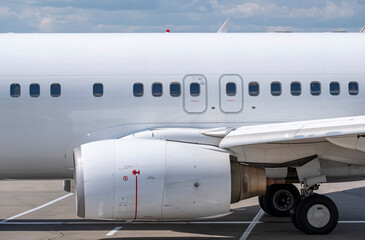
{"x":187,"y":93}
{"x":221,"y":92}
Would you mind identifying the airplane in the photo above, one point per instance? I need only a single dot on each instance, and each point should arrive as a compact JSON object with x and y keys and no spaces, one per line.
{"x":177,"y":126}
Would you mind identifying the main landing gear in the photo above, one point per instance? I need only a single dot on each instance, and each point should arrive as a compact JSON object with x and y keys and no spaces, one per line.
{"x":310,"y":213}
{"x":313,"y":213}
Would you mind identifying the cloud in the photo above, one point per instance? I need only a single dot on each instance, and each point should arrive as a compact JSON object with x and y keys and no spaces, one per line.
{"x":342,"y":10}
{"x":250,"y":9}
{"x":179,"y":15}
{"x":329,"y":11}
{"x":108,"y":5}
{"x":6,"y":12}
{"x":280,"y":29}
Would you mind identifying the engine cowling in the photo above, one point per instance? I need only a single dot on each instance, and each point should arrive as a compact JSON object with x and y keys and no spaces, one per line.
{"x":151,"y":180}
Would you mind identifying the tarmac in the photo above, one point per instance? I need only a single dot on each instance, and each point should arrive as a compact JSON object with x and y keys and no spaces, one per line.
{"x":42,"y":210}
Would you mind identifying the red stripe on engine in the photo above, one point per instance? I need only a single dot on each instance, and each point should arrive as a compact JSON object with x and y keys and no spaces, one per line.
{"x":135,"y":213}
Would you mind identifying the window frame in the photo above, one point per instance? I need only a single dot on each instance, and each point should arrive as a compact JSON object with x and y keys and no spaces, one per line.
{"x":358,"y":88}
{"x":20,"y":90}
{"x":178,"y":84}
{"x":258,"y":89}
{"x":320,"y":88}
{"x":50,"y":90}
{"x":194,"y":83}
{"x":281,"y":88}
{"x":157,"y":83}
{"x":102,"y":90}
{"x":30,"y":90}
{"x":300,"y":88}
{"x":339,"y":88}
{"x":134,"y":93}
{"x":235,"y":89}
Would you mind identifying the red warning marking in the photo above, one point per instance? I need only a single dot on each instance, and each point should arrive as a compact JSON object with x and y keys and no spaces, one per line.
{"x":125,"y":178}
{"x":231,"y":100}
{"x":135,"y":172}
{"x":194,"y":101}
{"x":135,"y":213}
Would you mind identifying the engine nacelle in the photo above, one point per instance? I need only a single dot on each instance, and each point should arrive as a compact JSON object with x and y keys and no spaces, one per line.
{"x":151,"y":180}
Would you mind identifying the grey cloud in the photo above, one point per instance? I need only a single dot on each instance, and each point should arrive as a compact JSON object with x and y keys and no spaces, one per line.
{"x":98,"y":4}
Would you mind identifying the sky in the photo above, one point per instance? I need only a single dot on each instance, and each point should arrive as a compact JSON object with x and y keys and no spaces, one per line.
{"x":180,"y":15}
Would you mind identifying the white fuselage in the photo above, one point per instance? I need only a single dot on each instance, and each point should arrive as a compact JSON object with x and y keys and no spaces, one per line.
{"x":38,"y":134}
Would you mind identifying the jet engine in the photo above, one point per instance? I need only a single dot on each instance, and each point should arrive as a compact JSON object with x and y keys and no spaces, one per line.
{"x":151,"y":179}
{"x":159,"y":180}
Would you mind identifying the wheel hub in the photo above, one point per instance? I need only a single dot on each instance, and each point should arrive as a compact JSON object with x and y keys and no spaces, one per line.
{"x":283,"y":200}
{"x":318,"y":216}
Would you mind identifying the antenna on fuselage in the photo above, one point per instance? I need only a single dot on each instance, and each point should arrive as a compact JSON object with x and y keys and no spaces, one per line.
{"x":224,"y":27}
{"x":362,"y":29}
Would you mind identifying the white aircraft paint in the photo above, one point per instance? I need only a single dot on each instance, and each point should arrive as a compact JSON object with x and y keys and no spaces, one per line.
{"x":38,"y":135}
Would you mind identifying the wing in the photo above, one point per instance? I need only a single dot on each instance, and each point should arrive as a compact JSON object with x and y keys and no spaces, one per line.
{"x":345,"y":132}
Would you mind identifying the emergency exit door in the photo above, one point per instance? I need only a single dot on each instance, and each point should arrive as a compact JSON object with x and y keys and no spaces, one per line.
{"x":195,"y":93}
{"x":231,"y":93}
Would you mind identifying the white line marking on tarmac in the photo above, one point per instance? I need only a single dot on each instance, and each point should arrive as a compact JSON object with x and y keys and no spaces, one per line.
{"x":112,"y":232}
{"x":127,"y":223}
{"x":35,"y":209}
{"x":31,"y":222}
{"x":351,"y":222}
{"x":252,"y":224}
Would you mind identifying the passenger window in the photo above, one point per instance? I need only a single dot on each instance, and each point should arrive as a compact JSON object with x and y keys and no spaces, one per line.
{"x":15,"y":90}
{"x":138,"y":89}
{"x":315,"y":88}
{"x":34,"y":90}
{"x":334,"y":88}
{"x":157,"y":89}
{"x":55,"y":90}
{"x":275,"y":88}
{"x":231,"y":89}
{"x":295,"y":88}
{"x":194,"y":89}
{"x":175,"y":89}
{"x":98,"y":90}
{"x":254,"y":89}
{"x":353,"y":88}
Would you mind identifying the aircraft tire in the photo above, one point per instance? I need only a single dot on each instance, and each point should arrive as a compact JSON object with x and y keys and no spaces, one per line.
{"x":279,"y":199}
{"x":293,"y":213}
{"x":261,"y":202}
{"x":316,"y":214}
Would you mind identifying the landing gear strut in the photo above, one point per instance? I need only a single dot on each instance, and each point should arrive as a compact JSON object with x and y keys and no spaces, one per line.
{"x":314,"y":213}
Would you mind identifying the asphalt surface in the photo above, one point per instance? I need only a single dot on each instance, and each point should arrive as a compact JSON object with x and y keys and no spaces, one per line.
{"x":24,"y":216}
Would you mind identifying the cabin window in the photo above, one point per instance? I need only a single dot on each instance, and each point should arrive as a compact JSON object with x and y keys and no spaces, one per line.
{"x":276,"y":88}
{"x":157,"y":89}
{"x":55,"y":90}
{"x":15,"y":90}
{"x":353,"y":88}
{"x":98,"y":90}
{"x":175,"y":89}
{"x":138,"y":89}
{"x":334,"y":88}
{"x":254,"y":88}
{"x":194,"y":89}
{"x":295,"y":89}
{"x":34,"y":90}
{"x":315,"y":88}
{"x":231,"y":89}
